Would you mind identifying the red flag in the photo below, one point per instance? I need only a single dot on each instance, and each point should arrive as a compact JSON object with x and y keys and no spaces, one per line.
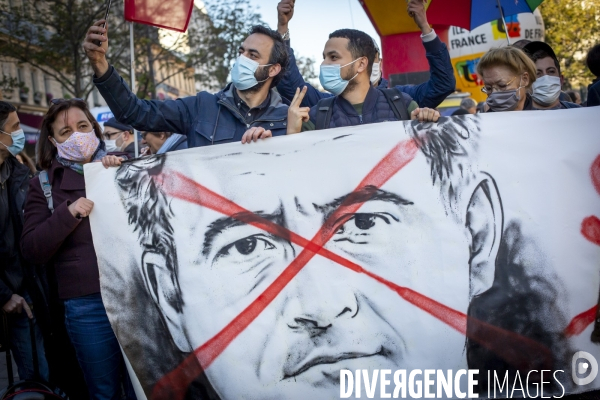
{"x":168,"y":14}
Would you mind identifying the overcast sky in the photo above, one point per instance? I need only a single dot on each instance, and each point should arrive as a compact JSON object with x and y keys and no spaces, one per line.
{"x":314,"y":20}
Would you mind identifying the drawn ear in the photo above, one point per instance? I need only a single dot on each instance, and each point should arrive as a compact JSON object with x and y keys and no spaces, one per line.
{"x":159,"y":281}
{"x":484,"y":221}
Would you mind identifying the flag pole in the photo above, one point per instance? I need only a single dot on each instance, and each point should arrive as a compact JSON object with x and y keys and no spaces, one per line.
{"x":132,"y":56}
{"x":503,"y":21}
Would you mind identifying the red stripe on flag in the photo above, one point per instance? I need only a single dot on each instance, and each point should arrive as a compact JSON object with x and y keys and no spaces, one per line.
{"x":167,"y":14}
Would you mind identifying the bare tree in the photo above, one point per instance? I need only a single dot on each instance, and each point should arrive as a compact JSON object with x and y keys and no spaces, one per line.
{"x":48,"y":35}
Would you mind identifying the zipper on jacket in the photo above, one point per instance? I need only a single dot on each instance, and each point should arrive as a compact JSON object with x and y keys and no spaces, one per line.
{"x":241,"y":118}
{"x":360,"y":118}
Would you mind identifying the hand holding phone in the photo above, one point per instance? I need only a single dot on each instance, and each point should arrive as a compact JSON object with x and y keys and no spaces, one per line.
{"x":97,"y":43}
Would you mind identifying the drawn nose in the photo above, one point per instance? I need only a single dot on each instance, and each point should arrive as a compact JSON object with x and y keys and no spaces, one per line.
{"x":321,"y":298}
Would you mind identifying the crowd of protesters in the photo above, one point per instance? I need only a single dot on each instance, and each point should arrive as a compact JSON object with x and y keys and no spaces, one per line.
{"x":47,"y":255}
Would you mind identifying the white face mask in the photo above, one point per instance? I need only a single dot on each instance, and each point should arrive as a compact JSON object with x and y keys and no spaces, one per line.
{"x":111,"y":146}
{"x":546,"y":90}
{"x":376,"y":73}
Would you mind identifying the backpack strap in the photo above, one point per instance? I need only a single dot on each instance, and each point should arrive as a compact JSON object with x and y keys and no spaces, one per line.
{"x":324,"y":111}
{"x":47,"y":188}
{"x":395,"y":100}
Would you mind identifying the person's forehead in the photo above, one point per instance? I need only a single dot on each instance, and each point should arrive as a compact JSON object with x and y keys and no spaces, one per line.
{"x":110,"y":129}
{"x":317,"y":175}
{"x":339,"y":45}
{"x":12,"y":120}
{"x":70,"y":116}
{"x":545,"y":63}
{"x":257,"y":41}
{"x":496,"y":73}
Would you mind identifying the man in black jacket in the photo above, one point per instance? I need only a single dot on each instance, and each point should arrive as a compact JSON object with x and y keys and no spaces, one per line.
{"x":18,"y":281}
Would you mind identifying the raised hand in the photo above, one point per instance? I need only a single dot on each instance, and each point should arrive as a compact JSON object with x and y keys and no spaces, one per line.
{"x":97,"y":54}
{"x":285,"y":12}
{"x":255,"y":133}
{"x":425,"y":114}
{"x":296,"y":114}
{"x":416,"y":9}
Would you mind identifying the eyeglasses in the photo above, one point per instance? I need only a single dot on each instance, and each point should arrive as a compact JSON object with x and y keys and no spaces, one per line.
{"x":108,"y":136}
{"x":491,"y":89}
{"x":58,"y":101}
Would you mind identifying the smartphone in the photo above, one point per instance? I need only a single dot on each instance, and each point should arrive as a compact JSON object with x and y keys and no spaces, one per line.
{"x":105,"y":17}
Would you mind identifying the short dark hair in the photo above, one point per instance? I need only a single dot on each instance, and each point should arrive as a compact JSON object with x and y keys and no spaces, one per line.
{"x":593,"y":60}
{"x":519,"y":44}
{"x":46,"y":151}
{"x":5,"y":109}
{"x":279,"y":53}
{"x":540,"y":54}
{"x":360,"y":45}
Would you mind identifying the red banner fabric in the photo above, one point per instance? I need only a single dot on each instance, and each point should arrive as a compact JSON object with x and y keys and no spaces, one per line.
{"x":168,"y":14}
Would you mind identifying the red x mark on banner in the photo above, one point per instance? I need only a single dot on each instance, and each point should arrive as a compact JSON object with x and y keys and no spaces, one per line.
{"x":517,"y":350}
{"x":590,"y":229}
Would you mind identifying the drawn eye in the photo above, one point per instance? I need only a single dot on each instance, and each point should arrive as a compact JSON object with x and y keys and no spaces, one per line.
{"x":359,"y":227}
{"x":366,"y":221}
{"x":246,"y":246}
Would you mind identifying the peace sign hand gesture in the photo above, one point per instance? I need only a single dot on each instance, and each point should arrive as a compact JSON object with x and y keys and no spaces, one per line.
{"x":296,"y":114}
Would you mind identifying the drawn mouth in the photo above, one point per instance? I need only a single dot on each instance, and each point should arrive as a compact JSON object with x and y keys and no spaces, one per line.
{"x":326,"y":359}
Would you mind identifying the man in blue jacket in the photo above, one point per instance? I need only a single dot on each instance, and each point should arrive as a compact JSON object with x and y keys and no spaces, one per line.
{"x":428,"y":94}
{"x":249,"y":101}
{"x":346,"y":72}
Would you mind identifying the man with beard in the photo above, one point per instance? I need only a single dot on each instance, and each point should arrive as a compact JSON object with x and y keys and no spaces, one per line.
{"x":348,"y":59}
{"x":249,"y":101}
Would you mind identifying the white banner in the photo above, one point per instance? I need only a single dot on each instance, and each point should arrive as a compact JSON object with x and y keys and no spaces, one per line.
{"x":387,"y":259}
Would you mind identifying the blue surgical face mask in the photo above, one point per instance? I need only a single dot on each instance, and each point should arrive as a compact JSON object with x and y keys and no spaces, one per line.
{"x":331,"y":78}
{"x":242,"y":73}
{"x":18,"y":142}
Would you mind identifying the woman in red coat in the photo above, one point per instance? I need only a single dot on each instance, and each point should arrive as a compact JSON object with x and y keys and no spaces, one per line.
{"x":69,"y":138}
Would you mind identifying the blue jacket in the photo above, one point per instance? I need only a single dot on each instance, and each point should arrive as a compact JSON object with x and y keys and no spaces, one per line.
{"x":205,"y":118}
{"x":428,"y":94}
{"x":375,"y":109}
{"x":180,"y":144}
{"x":593,"y":98}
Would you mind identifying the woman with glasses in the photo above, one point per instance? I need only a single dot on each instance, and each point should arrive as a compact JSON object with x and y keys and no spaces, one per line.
{"x":57,"y":230}
{"x":507,"y":74}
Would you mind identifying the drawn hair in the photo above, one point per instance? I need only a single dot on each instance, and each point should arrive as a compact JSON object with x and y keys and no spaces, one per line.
{"x":149,"y":212}
{"x":450,"y":147}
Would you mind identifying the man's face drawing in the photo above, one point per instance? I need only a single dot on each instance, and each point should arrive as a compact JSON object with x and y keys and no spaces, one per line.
{"x":328,"y":317}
